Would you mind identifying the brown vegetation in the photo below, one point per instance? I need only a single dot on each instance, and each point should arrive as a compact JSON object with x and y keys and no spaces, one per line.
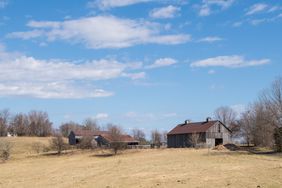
{"x":179,"y":168}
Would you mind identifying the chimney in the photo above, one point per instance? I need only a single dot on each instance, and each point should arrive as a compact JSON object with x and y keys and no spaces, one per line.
{"x":187,"y":121}
{"x":208,"y":119}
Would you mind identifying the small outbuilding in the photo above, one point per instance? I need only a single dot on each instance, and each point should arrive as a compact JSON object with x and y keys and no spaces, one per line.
{"x":208,"y":133}
{"x":103,"y":138}
{"x":75,"y":136}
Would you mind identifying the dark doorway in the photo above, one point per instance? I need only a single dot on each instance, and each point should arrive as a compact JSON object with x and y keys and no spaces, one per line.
{"x":218,"y":141}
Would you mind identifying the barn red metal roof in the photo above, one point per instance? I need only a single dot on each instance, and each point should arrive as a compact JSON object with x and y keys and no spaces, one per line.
{"x":194,"y":127}
{"x":104,"y":134}
{"x":88,"y":133}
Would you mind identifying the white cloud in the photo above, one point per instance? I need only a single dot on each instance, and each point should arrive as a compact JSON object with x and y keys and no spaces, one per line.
{"x":237,"y":24}
{"x":100,"y":116}
{"x":207,"y":6}
{"x":162,"y":62}
{"x":210,"y":39}
{"x":165,"y":12}
{"x":222,"y":3}
{"x":262,"y":8}
{"x":50,"y":90}
{"x":101,"y":32}
{"x":106,"y":4}
{"x":205,"y":10}
{"x":3,"y":3}
{"x":256,"y":8}
{"x":27,"y":76}
{"x":234,"y":61}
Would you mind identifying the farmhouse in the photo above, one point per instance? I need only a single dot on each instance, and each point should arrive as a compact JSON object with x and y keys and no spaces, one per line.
{"x":103,"y":138}
{"x":208,"y":133}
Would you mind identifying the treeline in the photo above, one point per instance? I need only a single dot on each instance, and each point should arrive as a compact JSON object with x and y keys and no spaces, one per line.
{"x":261,"y":122}
{"x":35,"y":123}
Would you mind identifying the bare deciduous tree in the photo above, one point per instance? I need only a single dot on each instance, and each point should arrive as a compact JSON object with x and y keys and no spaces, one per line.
{"x":19,"y":125}
{"x":65,"y":128}
{"x":164,"y":136}
{"x":39,"y":124}
{"x":58,"y":144}
{"x":272,"y":100}
{"x":226,"y":115}
{"x":139,"y":135}
{"x":4,"y":121}
{"x":91,"y":124}
{"x":116,"y":134}
{"x":194,"y":139}
{"x":156,"y":138}
{"x":247,"y":124}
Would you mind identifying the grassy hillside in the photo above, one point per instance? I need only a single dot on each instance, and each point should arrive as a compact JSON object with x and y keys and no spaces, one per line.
{"x":143,"y":168}
{"x":22,"y":146}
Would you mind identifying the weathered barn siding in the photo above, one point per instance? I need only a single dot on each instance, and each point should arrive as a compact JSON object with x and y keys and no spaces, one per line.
{"x":211,"y":133}
{"x":217,"y":131}
{"x":178,"y":141}
{"x":183,"y":140}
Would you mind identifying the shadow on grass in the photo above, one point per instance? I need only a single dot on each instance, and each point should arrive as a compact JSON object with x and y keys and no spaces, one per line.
{"x":103,"y":155}
{"x":245,"y":151}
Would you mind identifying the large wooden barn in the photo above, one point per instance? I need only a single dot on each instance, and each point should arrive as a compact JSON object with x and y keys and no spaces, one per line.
{"x":208,"y":133}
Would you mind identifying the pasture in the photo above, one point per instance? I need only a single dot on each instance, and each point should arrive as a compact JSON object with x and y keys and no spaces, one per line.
{"x":138,"y":168}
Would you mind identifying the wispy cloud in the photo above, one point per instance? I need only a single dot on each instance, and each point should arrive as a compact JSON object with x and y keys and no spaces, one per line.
{"x":107,"y":4}
{"x":256,"y":8}
{"x":210,"y":39}
{"x":165,"y":12}
{"x":207,"y":6}
{"x":101,"y":32}
{"x":262,"y":8}
{"x":21,"y":75}
{"x":162,"y":62}
{"x":234,"y":61}
{"x":101,"y":116}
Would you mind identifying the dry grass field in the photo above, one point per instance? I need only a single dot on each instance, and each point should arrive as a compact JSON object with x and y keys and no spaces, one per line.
{"x":171,"y":168}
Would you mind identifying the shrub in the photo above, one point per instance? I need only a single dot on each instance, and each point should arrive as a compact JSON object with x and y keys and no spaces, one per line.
{"x":87,"y":143}
{"x":58,"y":144}
{"x":278,"y":139}
{"x":5,"y":150}
{"x":38,"y":147}
{"x":117,"y":146}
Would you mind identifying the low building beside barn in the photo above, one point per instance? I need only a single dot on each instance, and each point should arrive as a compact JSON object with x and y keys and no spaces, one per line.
{"x":208,"y":133}
{"x":103,"y":138}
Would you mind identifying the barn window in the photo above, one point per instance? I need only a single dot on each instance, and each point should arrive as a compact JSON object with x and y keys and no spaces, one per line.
{"x":219,"y":128}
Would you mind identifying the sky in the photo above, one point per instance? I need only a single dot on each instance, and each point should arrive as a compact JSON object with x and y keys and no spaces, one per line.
{"x":148,"y":64}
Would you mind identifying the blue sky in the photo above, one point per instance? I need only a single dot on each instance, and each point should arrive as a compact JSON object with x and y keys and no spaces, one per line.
{"x":137,"y":63}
